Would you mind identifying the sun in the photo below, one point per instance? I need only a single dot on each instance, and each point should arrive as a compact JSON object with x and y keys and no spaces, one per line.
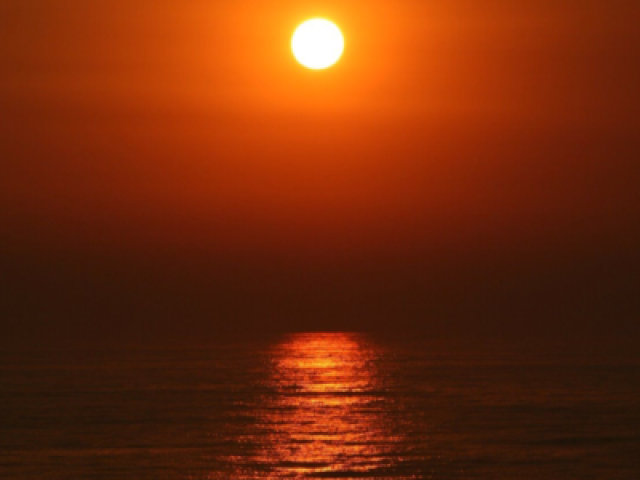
{"x":317,"y":43}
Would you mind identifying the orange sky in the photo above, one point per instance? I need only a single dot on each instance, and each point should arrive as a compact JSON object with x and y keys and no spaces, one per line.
{"x":191,"y":124}
{"x":460,"y":153}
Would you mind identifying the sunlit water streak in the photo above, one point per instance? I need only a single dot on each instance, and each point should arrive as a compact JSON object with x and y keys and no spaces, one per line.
{"x":324,"y":411}
{"x":319,"y":405}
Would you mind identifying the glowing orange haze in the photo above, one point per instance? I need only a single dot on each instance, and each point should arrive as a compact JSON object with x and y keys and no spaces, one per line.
{"x":190,"y":124}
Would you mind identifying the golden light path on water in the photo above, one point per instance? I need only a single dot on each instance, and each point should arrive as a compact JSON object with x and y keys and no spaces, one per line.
{"x":325,"y":414}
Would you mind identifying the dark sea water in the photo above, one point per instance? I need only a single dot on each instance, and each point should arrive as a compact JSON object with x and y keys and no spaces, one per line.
{"x":320,"y":405}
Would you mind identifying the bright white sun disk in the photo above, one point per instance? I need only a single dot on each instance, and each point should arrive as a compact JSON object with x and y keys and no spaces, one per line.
{"x":317,"y":43}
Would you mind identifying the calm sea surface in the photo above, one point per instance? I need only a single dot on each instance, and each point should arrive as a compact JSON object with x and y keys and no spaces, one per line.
{"x":320,"y":405}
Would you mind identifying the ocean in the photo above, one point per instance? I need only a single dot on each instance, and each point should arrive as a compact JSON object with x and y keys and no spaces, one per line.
{"x":320,"y":405}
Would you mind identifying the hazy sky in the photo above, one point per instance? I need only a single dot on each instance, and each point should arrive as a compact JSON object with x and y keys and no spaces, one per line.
{"x":172,"y":158}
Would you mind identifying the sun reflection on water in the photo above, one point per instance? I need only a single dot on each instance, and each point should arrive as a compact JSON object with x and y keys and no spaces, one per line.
{"x":325,"y":409}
